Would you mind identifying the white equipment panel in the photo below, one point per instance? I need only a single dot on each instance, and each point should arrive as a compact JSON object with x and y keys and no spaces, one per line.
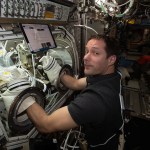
{"x":33,"y":9}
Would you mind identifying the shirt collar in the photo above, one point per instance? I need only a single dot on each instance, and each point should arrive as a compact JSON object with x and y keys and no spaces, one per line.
{"x":95,"y":78}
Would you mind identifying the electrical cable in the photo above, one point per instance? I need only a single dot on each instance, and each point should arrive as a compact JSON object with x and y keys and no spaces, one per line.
{"x":34,"y":72}
{"x":7,"y":58}
{"x":86,"y":27}
{"x":106,"y":6}
{"x":65,"y":142}
{"x":45,"y":87}
{"x":73,"y":147}
{"x":144,"y":5}
{"x":52,"y":101}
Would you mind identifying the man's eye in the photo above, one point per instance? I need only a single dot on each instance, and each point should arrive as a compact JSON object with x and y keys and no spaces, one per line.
{"x":96,"y":53}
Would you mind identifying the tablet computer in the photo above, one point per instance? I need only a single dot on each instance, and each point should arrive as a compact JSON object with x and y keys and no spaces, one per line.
{"x":38,"y":36}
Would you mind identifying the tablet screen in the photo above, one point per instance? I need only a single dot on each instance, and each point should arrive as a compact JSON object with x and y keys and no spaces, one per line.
{"x":38,"y":36}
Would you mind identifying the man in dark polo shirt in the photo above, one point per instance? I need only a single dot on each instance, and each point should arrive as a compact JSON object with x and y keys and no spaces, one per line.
{"x":98,"y":106}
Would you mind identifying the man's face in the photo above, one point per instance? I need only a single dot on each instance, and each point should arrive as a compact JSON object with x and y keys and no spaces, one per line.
{"x":95,"y":59}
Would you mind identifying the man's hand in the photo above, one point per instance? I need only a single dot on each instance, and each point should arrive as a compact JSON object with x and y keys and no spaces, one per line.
{"x":25,"y":104}
{"x":51,"y":68}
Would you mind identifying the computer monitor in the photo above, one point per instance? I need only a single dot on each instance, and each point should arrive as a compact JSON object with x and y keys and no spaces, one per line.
{"x":38,"y":36}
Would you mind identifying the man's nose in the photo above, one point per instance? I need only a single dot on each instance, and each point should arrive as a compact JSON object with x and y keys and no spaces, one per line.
{"x":86,"y":56}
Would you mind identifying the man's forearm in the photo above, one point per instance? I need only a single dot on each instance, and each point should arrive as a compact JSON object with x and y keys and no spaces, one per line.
{"x":69,"y":81}
{"x":59,"y":120}
{"x":73,"y":83}
{"x":38,"y":116}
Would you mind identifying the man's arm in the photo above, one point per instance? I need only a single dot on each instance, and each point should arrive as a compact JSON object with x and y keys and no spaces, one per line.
{"x":53,"y":74}
{"x":59,"y":120}
{"x":73,"y":83}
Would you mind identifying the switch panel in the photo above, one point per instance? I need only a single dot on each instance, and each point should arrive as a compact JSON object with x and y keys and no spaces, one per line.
{"x":33,"y":9}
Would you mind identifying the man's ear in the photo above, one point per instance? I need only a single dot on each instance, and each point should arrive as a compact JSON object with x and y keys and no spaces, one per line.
{"x":112,"y":59}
